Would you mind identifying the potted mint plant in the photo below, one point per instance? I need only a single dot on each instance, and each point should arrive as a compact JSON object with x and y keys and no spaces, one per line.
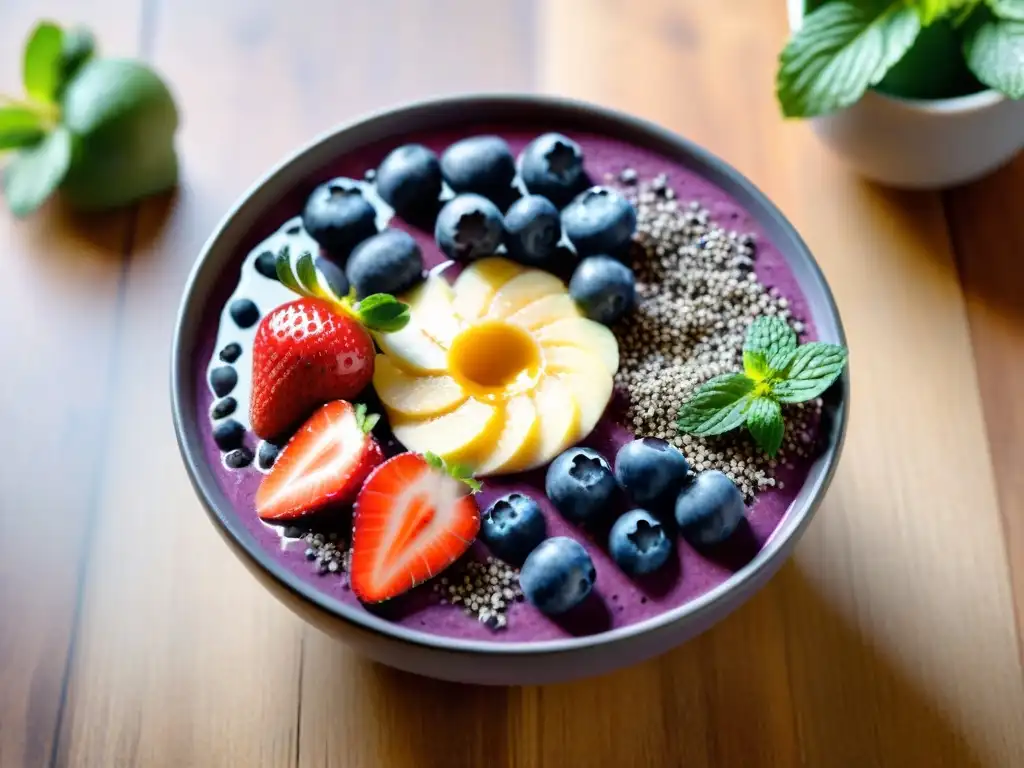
{"x":911,"y":93}
{"x":98,"y":129}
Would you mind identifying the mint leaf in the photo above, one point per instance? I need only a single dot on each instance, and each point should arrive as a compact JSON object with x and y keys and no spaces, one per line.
{"x":994,"y":50}
{"x":717,"y":406}
{"x":815,"y":366}
{"x":34,"y":173}
{"x":755,"y":364}
{"x":1007,"y":9}
{"x":124,"y":120}
{"x":383,"y":312}
{"x":41,"y":64}
{"x":771,"y":336}
{"x":19,"y":127}
{"x":841,"y":50}
{"x":764,"y":420}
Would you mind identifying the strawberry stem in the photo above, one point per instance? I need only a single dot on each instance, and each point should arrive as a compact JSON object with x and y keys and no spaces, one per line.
{"x":459,"y":472}
{"x":378,"y":312}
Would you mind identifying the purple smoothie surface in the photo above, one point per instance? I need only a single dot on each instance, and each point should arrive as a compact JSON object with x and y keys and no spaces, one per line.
{"x":617,"y":599}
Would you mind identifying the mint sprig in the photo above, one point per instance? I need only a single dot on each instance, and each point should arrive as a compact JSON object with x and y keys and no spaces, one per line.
{"x":842,"y":49}
{"x":380,"y":312}
{"x":460,"y":472}
{"x":845,"y":47}
{"x":777,"y":371}
{"x":101,"y":130}
{"x":994,"y":47}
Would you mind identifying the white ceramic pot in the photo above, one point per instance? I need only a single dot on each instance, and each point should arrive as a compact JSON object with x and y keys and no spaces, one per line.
{"x":919,"y":144}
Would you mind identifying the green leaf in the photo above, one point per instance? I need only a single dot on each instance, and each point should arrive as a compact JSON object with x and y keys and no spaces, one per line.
{"x":383,"y":312}
{"x":125,"y":119}
{"x":841,"y":50}
{"x":305,"y":269}
{"x":815,"y":366}
{"x":755,"y":364}
{"x":433,"y":460}
{"x":364,"y":420}
{"x":78,"y":47}
{"x":285,"y":273}
{"x":19,"y":127}
{"x":41,"y":65}
{"x":994,"y":49}
{"x":771,"y":336}
{"x":930,"y":10}
{"x":34,"y":173}
{"x":764,"y":420}
{"x":718,"y":405}
{"x":1007,"y":9}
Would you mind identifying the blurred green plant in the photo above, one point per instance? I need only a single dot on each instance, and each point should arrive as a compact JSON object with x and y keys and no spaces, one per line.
{"x":845,"y":47}
{"x":101,"y":130}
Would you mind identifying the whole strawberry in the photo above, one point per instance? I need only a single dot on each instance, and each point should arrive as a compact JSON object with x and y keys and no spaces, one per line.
{"x":313,"y":350}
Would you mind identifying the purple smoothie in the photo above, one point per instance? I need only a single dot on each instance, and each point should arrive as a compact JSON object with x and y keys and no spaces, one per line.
{"x":617,"y":600}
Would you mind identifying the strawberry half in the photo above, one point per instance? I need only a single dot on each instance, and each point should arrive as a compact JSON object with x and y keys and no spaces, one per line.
{"x":413,"y":518}
{"x":305,"y":353}
{"x":324,"y":463}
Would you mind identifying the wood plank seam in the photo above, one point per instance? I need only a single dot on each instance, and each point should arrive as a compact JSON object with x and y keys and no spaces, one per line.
{"x":146,"y":39}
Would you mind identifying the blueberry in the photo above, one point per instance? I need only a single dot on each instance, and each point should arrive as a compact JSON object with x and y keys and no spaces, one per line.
{"x":532,"y":230}
{"x":709,"y":509}
{"x":244,"y":312}
{"x":469,"y":227}
{"x":651,"y":471}
{"x":603,"y":288}
{"x":266,"y":265}
{"x":557,"y":575}
{"x":333,"y":275}
{"x":552,"y":165}
{"x":512,"y":526}
{"x":386,"y":263}
{"x":231,"y":352}
{"x":580,"y":484}
{"x":267,"y":454}
{"x":238,"y":458}
{"x":228,"y":434}
{"x":338,"y":217}
{"x":223,"y":379}
{"x":638,"y":543}
{"x":599,"y":220}
{"x":223,"y":408}
{"x":409,"y":178}
{"x":480,"y":164}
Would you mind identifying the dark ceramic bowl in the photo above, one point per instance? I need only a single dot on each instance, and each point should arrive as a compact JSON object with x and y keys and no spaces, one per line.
{"x":470,"y":660}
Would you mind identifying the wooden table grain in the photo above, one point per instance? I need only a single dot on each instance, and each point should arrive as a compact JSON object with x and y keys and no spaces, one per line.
{"x":129,"y":636}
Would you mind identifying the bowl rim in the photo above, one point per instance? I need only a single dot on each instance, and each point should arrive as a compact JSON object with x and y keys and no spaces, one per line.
{"x":467,"y":109}
{"x":954,"y":105}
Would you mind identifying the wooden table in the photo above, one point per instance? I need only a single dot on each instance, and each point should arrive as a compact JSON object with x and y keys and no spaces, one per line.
{"x":130,"y":637}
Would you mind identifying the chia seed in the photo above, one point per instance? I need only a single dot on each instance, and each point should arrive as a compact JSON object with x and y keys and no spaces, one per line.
{"x":485,"y":590}
{"x":697,"y":296}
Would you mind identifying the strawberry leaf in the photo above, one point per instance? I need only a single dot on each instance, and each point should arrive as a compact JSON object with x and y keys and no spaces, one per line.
{"x":364,"y":420}
{"x":305,"y":271}
{"x":20,"y":127}
{"x":383,"y":312}
{"x":459,"y":472}
{"x":433,"y":460}
{"x":34,"y":173}
{"x":285,"y":273}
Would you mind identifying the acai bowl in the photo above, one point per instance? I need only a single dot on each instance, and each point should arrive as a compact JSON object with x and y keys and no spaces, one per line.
{"x":484,"y":386}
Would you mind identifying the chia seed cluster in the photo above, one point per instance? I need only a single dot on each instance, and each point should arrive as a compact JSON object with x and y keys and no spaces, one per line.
{"x":698,"y":294}
{"x":327,"y":552}
{"x":482,"y":589}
